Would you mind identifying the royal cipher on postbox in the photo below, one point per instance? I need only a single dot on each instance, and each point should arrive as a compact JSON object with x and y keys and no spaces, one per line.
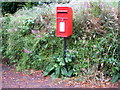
{"x":63,"y":21}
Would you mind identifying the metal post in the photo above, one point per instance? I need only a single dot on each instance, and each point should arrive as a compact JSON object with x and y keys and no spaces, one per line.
{"x":64,"y":55}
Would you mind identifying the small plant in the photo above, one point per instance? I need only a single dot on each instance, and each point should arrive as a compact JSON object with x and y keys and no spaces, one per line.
{"x":60,"y":67}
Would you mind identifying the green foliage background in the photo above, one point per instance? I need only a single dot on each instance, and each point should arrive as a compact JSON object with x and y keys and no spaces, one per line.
{"x":91,"y":50}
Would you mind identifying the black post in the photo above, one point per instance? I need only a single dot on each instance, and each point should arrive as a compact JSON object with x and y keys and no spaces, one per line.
{"x":64,"y":55}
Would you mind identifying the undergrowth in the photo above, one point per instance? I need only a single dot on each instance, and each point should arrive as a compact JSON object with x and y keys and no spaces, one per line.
{"x":29,"y":42}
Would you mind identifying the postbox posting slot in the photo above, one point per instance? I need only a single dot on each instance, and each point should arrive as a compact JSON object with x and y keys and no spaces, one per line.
{"x":62,"y":11}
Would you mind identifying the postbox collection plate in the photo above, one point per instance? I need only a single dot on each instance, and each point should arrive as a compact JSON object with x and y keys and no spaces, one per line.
{"x":62,"y":26}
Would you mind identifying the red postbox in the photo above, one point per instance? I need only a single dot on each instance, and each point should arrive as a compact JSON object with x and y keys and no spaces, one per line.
{"x":63,"y":21}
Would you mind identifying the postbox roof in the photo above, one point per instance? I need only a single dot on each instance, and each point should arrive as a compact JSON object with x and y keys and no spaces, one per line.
{"x":63,"y":8}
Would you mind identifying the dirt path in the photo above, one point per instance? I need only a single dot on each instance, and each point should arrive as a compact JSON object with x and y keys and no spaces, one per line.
{"x":13,"y":79}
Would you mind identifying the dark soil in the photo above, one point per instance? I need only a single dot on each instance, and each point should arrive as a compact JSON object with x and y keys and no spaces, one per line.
{"x":35,"y":79}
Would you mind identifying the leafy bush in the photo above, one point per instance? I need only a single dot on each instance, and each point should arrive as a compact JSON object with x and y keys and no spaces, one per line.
{"x":29,"y":41}
{"x":59,"y":68}
{"x":12,"y":7}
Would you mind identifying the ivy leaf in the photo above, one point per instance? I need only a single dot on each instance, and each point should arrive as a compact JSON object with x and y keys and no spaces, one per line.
{"x":64,"y":71}
{"x":115,"y":78}
{"x":70,"y":73}
{"x":46,"y":73}
{"x":53,"y":76}
{"x":48,"y":69}
{"x":58,"y":71}
{"x":117,"y":68}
